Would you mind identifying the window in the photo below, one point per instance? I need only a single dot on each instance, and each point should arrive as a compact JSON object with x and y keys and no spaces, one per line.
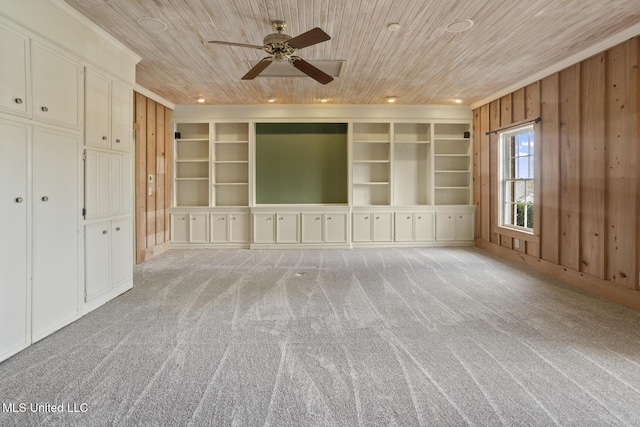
{"x":516,"y":178}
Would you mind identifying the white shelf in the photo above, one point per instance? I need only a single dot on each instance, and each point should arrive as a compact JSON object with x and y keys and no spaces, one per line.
{"x":231,"y":142}
{"x":193,"y":179}
{"x":231,"y":161}
{"x":230,"y":183}
{"x":371,"y":183}
{"x":192,"y":160}
{"x":371,"y":161}
{"x":192,"y":140}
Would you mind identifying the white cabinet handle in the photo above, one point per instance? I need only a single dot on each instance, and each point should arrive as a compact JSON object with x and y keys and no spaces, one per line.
{"x":104,"y":231}
{"x":44,"y":109}
{"x":18,"y":199}
{"x":18,"y":100}
{"x":45,"y":199}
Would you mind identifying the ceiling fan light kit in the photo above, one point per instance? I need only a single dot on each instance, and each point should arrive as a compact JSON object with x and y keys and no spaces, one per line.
{"x":282,"y":47}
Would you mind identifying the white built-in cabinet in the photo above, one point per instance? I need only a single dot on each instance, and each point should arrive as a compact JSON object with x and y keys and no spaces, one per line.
{"x":109,"y":257}
{"x":107,"y":113}
{"x":15,"y":205}
{"x":406,"y":179}
{"x":47,"y":266}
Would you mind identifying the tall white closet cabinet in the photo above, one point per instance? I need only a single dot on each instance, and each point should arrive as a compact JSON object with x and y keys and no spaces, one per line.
{"x":51,"y":272}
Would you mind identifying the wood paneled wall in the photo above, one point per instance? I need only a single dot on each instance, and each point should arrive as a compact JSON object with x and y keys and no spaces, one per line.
{"x":587,"y":188}
{"x":154,"y":136}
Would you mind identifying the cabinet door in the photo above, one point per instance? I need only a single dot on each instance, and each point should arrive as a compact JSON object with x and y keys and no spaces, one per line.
{"x":121,"y":251}
{"x":180,"y":228}
{"x":423,"y":226}
{"x":382,"y":227}
{"x":312,"y":227}
{"x":362,"y":230}
{"x":264,"y":228}
{"x":13,"y":244}
{"x":404,"y":227}
{"x":199,"y":228}
{"x":335,"y":226}
{"x":219,"y":228}
{"x":97,"y":253}
{"x":115,"y":185}
{"x":97,"y":179}
{"x":13,"y":72}
{"x":126,"y":185}
{"x":445,"y":226}
{"x":121,"y":117}
{"x":55,"y":231}
{"x":96,"y":114}
{"x":56,"y":87}
{"x":287,"y":228}
{"x":238,"y":227}
{"x":464,"y":226}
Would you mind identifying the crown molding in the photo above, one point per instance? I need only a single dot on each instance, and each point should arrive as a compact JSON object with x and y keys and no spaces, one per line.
{"x":154,"y":96}
{"x":85,"y":23}
{"x":594,"y":49}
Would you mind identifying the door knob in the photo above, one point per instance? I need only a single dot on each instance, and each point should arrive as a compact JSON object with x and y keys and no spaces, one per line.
{"x":45,"y":199}
{"x":18,"y":100}
{"x":44,"y":109}
{"x":18,"y":199}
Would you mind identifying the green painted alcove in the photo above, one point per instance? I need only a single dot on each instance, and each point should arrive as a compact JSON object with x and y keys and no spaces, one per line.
{"x":301,"y":163}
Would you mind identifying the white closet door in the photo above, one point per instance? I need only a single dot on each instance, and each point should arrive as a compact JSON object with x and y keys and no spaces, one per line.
{"x":13,"y":243}
{"x":55,"y":231}
{"x":121,"y":251}
{"x":97,"y":259}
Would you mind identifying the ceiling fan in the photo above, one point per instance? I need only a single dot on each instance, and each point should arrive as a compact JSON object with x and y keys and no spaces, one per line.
{"x":281,"y":47}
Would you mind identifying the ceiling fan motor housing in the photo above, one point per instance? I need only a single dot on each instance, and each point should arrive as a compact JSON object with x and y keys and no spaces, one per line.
{"x":276,"y":43}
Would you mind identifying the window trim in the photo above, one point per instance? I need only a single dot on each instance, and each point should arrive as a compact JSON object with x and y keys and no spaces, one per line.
{"x":510,"y":229}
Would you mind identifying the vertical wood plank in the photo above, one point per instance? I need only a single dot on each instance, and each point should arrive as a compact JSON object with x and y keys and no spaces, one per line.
{"x":532,"y":101}
{"x":151,"y":171}
{"x":621,"y":134}
{"x":636,"y":278}
{"x":569,"y":237}
{"x":494,"y":123}
{"x":160,"y":174}
{"x":476,"y":171}
{"x":168,"y":192}
{"x":140,"y":173}
{"x":518,"y":105}
{"x":532,"y":111}
{"x":505,"y":120}
{"x":485,"y":175}
{"x":550,"y":173}
{"x":592,"y":167}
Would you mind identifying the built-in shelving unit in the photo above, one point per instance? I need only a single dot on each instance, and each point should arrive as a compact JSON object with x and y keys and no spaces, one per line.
{"x":192,"y":164}
{"x":411,"y":164}
{"x":230,"y":165}
{"x":452,"y":164}
{"x":371,"y":163}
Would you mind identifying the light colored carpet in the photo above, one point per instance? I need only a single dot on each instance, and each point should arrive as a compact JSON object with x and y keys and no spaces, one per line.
{"x":367,"y":337}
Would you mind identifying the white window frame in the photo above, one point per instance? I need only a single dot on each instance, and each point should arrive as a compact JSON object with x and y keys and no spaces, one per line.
{"x":504,"y":178}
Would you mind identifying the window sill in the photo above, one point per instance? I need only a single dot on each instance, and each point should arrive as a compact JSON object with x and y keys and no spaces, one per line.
{"x":529,"y":236}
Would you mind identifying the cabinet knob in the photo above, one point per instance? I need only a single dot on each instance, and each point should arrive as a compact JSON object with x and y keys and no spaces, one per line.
{"x":317,"y":218}
{"x":117,"y":228}
{"x":44,"y":109}
{"x":366,"y":217}
{"x":104,"y":232}
{"x":193,"y":219}
{"x":408,"y":217}
{"x":182,"y":219}
{"x":449,"y":216}
{"x":460,"y":217}
{"x":18,"y":199}
{"x":18,"y":100}
{"x":104,"y":138}
{"x":233,"y":218}
{"x":269,"y":219}
{"x":221,"y":219}
{"x":118,"y":141}
{"x":280,"y":219}
{"x":419,"y":217}
{"x":329,"y":219}
{"x":45,"y":199}
{"x":377,"y":217}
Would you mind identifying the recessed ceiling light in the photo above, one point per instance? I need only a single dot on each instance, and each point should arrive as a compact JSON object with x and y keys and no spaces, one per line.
{"x":459,"y":25}
{"x":458,"y":101}
{"x":393,"y":26}
{"x":201,"y":100}
{"x":391,"y":99}
{"x":152,"y":24}
{"x":271,"y":99}
{"x":323,"y":100}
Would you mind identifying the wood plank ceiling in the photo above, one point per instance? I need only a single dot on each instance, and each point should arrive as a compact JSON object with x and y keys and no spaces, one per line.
{"x":421,"y":63}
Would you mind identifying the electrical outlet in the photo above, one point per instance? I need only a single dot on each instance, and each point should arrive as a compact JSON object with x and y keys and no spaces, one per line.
{"x":516,"y":243}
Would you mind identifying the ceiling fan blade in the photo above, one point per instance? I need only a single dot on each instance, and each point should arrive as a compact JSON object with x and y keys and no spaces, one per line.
{"x":252,"y":46}
{"x":311,"y":71}
{"x":309,"y":38}
{"x":257,"y":69}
